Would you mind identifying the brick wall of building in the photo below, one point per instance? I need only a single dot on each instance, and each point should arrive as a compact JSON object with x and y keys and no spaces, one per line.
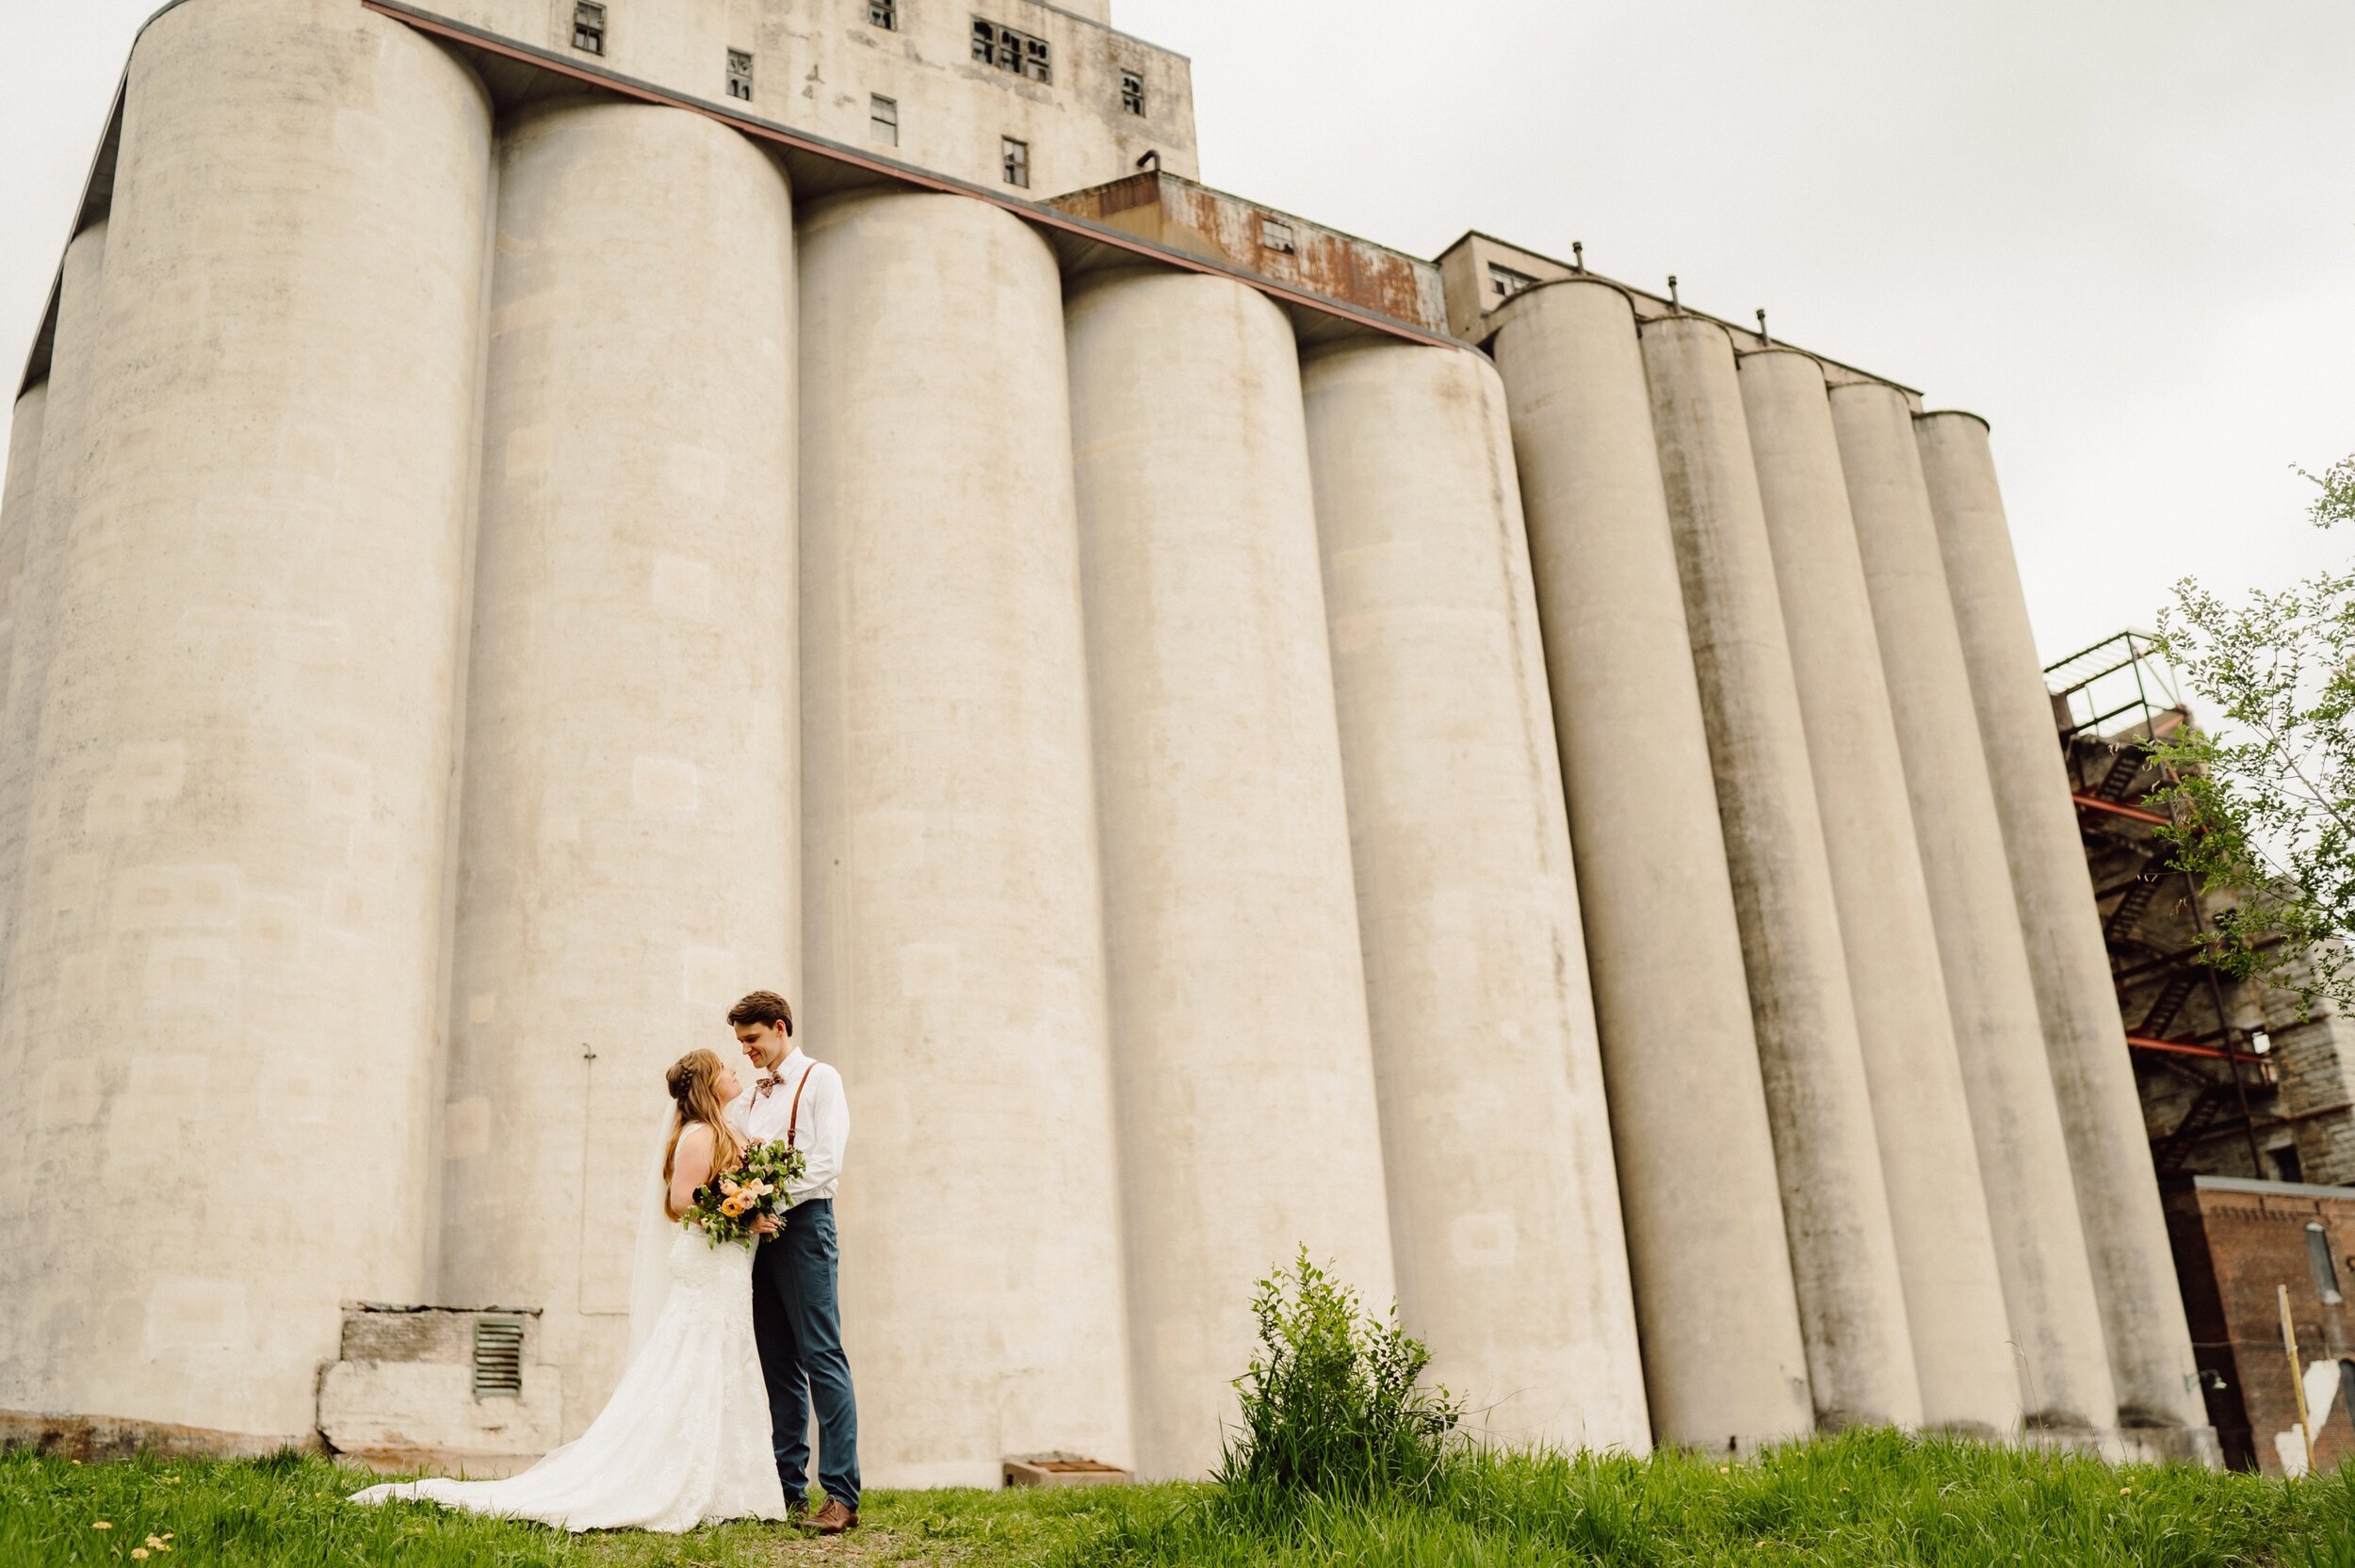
{"x":2237,"y":1243}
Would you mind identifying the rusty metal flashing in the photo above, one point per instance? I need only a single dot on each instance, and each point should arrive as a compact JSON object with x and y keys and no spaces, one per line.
{"x":891,"y":170}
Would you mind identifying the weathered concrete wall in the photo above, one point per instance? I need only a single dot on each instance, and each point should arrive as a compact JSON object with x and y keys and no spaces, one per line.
{"x":20,"y":495}
{"x":1844,"y":1258}
{"x":955,"y":947}
{"x":234,"y":869}
{"x":1725,"y":1363}
{"x":401,"y":1393}
{"x":22,"y":521}
{"x":1938,"y":1209}
{"x":1504,"y":1206}
{"x":626,"y":850}
{"x":2024,"y":1157}
{"x":2142,"y":1308}
{"x":817,"y":65}
{"x":1237,"y":991}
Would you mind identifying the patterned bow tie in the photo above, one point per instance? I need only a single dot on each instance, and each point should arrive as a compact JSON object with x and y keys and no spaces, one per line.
{"x":768,"y":1082}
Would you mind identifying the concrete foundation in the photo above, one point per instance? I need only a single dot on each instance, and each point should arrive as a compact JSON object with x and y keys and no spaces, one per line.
{"x":626,"y":851}
{"x":1237,"y":991}
{"x":2142,"y":1307}
{"x":1725,"y":1364}
{"x":1929,"y":1166}
{"x":956,"y":949}
{"x":1504,"y":1206}
{"x":1844,"y":1258}
{"x":231,"y":956}
{"x":2023,"y":1158}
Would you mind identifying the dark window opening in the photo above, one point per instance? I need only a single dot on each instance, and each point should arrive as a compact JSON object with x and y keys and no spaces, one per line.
{"x":2326,"y":1269}
{"x":1507,"y":282}
{"x":1018,"y":159}
{"x":740,"y":75}
{"x":883,"y":14}
{"x":589,"y":28}
{"x":1008,"y":49}
{"x":1132,"y":92}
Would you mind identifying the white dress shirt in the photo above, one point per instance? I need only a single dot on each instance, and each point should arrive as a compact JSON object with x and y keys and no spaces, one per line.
{"x":822,"y":1131}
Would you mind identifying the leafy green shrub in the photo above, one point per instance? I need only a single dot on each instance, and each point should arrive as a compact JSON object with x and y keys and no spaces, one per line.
{"x":1333,"y":1406}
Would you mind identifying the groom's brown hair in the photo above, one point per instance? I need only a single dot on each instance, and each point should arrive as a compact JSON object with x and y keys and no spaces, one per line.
{"x":762,"y":1007}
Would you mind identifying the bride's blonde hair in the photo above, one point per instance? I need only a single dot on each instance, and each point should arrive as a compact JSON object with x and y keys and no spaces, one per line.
{"x":694,"y":1081}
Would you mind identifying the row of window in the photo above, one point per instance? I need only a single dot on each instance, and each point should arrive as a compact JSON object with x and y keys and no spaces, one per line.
{"x":1031,"y":58}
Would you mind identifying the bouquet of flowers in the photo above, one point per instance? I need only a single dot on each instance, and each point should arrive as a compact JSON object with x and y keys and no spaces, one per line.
{"x":727,"y":1206}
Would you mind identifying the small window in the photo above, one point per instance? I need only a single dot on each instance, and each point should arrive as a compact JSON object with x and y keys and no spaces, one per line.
{"x":1008,"y":49}
{"x":1276,"y":235}
{"x":2325,"y":1271}
{"x":883,"y":14}
{"x":740,"y":75}
{"x":1507,"y":282}
{"x":1018,"y":154}
{"x":1132,"y":92}
{"x":589,"y":28}
{"x":883,"y":119}
{"x":498,"y":1359}
{"x":2287,"y":1167}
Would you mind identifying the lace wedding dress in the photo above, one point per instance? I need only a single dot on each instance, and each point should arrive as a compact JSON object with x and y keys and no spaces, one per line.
{"x":683,"y":1442}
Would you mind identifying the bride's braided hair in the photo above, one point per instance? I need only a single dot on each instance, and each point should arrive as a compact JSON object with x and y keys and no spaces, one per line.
{"x":694,"y":1084}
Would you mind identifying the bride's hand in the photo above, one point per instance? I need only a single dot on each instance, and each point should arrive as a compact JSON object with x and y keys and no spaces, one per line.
{"x":766,"y":1226}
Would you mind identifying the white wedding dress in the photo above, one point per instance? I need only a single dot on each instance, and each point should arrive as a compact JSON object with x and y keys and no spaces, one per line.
{"x":683,"y":1442}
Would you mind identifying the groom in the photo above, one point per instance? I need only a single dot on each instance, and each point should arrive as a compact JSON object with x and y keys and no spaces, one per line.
{"x":796,"y":1317}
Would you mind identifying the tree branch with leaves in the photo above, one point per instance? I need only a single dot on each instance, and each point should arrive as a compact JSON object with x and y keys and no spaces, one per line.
{"x":2263,"y":794}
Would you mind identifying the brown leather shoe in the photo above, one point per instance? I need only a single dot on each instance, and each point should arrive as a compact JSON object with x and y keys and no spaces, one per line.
{"x":832,"y":1519}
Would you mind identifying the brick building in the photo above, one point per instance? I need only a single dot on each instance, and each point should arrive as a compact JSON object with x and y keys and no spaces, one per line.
{"x":2237,"y":1243}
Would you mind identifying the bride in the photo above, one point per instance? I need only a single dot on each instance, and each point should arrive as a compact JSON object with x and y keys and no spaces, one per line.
{"x":685,"y":1440}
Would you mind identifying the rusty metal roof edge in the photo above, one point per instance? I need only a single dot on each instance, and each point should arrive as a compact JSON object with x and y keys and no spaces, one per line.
{"x":1671,"y":306}
{"x":1037,"y":212}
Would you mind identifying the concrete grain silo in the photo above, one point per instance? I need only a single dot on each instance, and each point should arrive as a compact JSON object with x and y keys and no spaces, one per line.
{"x":233,"y":844}
{"x":1725,"y":1361}
{"x":2023,"y":1156}
{"x":2133,"y":1275}
{"x":1503,"y":1203}
{"x":1237,"y":999}
{"x":625,"y":857}
{"x":1930,"y":1164}
{"x":955,"y":921}
{"x":526,"y":520}
{"x":1843,"y":1254}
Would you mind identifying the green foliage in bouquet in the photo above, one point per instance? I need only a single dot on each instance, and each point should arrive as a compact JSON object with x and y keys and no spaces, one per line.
{"x":727,"y":1206}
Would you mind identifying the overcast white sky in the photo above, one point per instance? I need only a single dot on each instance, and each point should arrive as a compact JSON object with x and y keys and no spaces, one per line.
{"x":2119,"y":228}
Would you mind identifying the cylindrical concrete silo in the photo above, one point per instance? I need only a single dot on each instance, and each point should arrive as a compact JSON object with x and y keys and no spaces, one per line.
{"x":35,"y":567}
{"x":1238,"y":1006}
{"x":231,"y":965}
{"x":955,"y":921}
{"x":17,"y":497}
{"x":626,"y":839}
{"x":1842,"y":1255}
{"x":1929,"y":1165}
{"x":1725,"y":1361}
{"x":1504,"y":1207}
{"x":20,"y":501}
{"x":2023,"y":1156}
{"x":2118,"y":1194}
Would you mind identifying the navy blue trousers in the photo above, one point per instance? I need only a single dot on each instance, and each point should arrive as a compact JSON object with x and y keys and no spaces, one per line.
{"x":797,"y":1320}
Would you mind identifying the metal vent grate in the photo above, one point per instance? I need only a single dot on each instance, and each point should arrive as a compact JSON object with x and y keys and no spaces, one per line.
{"x":498,"y":1359}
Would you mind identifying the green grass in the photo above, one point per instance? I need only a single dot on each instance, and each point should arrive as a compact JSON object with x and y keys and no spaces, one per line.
{"x":1864,"y":1499}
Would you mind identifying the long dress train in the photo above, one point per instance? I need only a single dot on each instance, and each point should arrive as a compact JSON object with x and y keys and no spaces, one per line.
{"x":683,"y":1442}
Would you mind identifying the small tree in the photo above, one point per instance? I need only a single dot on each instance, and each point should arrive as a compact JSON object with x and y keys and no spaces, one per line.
{"x":2263,"y":802}
{"x":1333,"y":1404}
